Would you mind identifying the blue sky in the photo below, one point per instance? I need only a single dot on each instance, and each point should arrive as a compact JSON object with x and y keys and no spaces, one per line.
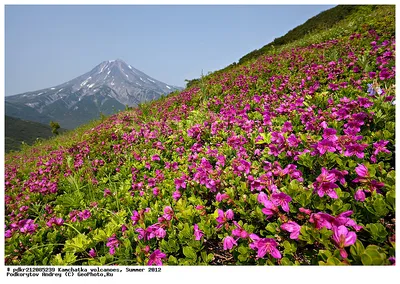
{"x":49,"y":45}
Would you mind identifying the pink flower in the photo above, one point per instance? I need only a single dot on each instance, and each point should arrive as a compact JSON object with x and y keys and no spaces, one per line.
{"x":180,"y":183}
{"x":287,"y":127}
{"x":380,"y":146}
{"x":8,"y":234}
{"x":281,"y":199}
{"x":339,"y":175}
{"x":362,"y":171}
{"x":343,"y":219}
{"x":176,"y":195}
{"x":92,"y":253}
{"x":376,"y":185}
{"x":270,"y":209}
{"x":305,"y":210}
{"x":221,"y":216}
{"x":112,"y":243}
{"x":27,"y":226}
{"x":262,"y":198}
{"x":23,"y":208}
{"x":293,"y":228}
{"x":56,"y":221}
{"x":155,"y":230}
{"x":255,"y":239}
{"x":328,"y":189}
{"x":330,"y":134}
{"x":156,"y":191}
{"x":155,"y":258}
{"x":229,"y":242}
{"x":239,"y":231}
{"x":160,"y":233}
{"x":197,"y":232}
{"x":155,"y":158}
{"x":359,"y":195}
{"x":325,"y":145}
{"x":326,"y":176}
{"x":325,"y":183}
{"x":392,"y":260}
{"x":168,"y":213}
{"x":224,"y":217}
{"x":229,"y":214}
{"x":293,"y":141}
{"x":343,"y":238}
{"x":73,"y":215}
{"x":142,"y":234}
{"x":355,"y":149}
{"x":321,"y":220}
{"x":221,"y":160}
{"x":85,"y":214}
{"x":264,"y":246}
{"x":221,"y":197}
{"x":146,"y":249}
{"x":241,"y":166}
{"x":135,"y":217}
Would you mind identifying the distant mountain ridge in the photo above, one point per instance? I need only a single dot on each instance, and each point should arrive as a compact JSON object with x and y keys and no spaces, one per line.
{"x":107,"y":88}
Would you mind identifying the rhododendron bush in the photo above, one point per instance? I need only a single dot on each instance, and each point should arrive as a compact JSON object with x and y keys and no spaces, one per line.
{"x":286,"y":160}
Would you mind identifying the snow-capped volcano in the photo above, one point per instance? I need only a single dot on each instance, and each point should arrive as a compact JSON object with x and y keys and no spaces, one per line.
{"x":108,"y":87}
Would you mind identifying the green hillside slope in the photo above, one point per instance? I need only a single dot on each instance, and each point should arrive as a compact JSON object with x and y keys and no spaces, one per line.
{"x":323,"y":21}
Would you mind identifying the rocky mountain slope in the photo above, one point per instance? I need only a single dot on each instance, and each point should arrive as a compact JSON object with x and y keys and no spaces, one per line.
{"x":107,"y":88}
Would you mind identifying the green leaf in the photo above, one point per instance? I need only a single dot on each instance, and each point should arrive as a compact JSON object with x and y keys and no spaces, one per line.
{"x":372,"y":256}
{"x":172,"y":260}
{"x":371,"y":170}
{"x":380,"y":207}
{"x":189,"y":252}
{"x":357,"y":249}
{"x":204,"y":256}
{"x":391,"y":198}
{"x":271,"y":227}
{"x":289,"y":248}
{"x":99,"y":235}
{"x":306,"y":160}
{"x":286,"y":261}
{"x":215,"y":215}
{"x":52,"y":236}
{"x":332,"y":261}
{"x":324,"y":254}
{"x":57,"y":260}
{"x":78,"y":244}
{"x":243,"y":257}
{"x":69,"y":258}
{"x":366,"y":259}
{"x":243,"y":250}
{"x":306,"y":234}
{"x":304,"y":198}
{"x":378,"y":231}
{"x":163,"y":245}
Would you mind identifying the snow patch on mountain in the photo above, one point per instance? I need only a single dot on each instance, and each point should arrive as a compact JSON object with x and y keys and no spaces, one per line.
{"x":112,"y":83}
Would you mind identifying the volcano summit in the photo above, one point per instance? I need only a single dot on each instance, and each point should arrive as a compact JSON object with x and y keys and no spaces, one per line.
{"x":107,"y":88}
